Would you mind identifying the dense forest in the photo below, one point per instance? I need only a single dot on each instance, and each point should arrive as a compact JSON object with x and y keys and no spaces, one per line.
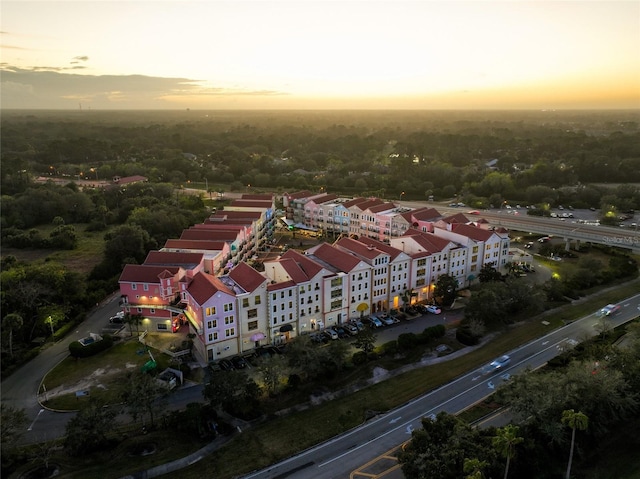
{"x":483,"y":157}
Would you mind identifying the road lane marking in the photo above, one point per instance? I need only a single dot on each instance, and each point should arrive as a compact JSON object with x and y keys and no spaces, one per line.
{"x":34,"y":421}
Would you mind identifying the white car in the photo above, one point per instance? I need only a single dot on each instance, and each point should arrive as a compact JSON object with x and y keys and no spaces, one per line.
{"x":500,"y":363}
{"x":433,"y":309}
{"x":609,"y":310}
{"x":117,"y":318}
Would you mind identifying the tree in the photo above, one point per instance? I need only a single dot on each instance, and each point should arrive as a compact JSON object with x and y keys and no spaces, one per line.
{"x":407,"y":294}
{"x":12,"y":322}
{"x":272,"y":369}
{"x":87,"y":431}
{"x":489,"y":273}
{"x":505,"y":442}
{"x":12,"y":425}
{"x":440,"y":448}
{"x":140,"y":395}
{"x":445,"y":289}
{"x":366,"y":340}
{"x":474,"y":467}
{"x":575,"y":420}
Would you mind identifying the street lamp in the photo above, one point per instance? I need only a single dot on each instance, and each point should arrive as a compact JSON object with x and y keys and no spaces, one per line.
{"x":401,"y":195}
{"x":50,"y":321}
{"x":95,"y":170}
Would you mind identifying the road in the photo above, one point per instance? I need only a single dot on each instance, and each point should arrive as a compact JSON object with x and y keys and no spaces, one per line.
{"x":21,"y":389}
{"x":339,"y":456}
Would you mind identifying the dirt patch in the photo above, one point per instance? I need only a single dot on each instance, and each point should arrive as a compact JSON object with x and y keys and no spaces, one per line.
{"x":95,"y":379}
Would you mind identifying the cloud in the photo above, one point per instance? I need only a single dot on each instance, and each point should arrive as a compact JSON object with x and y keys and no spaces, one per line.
{"x":53,"y":88}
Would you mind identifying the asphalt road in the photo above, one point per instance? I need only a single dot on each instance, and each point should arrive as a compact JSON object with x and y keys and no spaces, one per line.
{"x":339,"y":456}
{"x":21,"y":389}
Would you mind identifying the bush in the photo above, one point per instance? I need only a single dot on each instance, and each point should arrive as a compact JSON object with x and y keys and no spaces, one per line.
{"x":390,"y":347}
{"x":431,"y":333}
{"x":359,"y":358}
{"x":77,"y":350}
{"x":466,"y":337}
{"x":407,"y":341}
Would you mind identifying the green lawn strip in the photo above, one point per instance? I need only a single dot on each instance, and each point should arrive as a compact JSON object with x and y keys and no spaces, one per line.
{"x":123,"y":357}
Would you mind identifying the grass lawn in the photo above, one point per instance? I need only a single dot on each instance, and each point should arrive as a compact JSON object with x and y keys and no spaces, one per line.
{"x":82,"y":259}
{"x":104,"y":375}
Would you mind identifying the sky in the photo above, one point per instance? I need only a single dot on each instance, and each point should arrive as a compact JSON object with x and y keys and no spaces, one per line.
{"x":319,"y":54}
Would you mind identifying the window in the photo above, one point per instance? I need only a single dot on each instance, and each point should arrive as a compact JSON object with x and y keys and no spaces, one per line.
{"x":228,"y":319}
{"x":145,"y":287}
{"x":252,"y":325}
{"x":229,"y":332}
{"x":211,"y":311}
{"x":257,"y":300}
{"x":210,"y":337}
{"x":134,"y":286}
{"x":215,"y":336}
{"x":245,"y":302}
{"x":228,"y":307}
{"x":162,"y":327}
{"x":252,"y":313}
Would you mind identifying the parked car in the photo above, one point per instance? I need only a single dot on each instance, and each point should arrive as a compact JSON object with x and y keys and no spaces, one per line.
{"x":226,"y":365}
{"x":376,"y":320}
{"x":318,"y":338}
{"x":238,"y":362}
{"x":117,"y":318}
{"x":387,"y":320}
{"x":342,"y":333}
{"x":500,"y":363}
{"x":331,"y":334}
{"x":433,"y":309}
{"x":351,"y":328}
{"x":358,"y":324}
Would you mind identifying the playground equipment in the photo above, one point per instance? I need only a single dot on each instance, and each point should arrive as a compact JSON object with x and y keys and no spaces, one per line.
{"x":149,"y":365}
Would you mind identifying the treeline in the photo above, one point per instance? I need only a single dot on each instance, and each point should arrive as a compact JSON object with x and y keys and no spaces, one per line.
{"x":45,"y":299}
{"x":541,"y":157}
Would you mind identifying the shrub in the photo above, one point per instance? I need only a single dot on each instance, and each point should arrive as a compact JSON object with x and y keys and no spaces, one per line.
{"x":390,"y":347}
{"x":466,"y":337}
{"x":77,"y":350}
{"x":407,"y":341}
{"x":359,"y":358}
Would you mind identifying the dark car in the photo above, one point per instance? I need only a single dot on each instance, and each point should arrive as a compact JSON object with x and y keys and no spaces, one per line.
{"x":238,"y":362}
{"x":226,"y":365}
{"x":341,"y":332}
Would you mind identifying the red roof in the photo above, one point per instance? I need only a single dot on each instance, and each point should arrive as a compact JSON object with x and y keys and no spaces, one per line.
{"x":140,"y":273}
{"x":208,"y":234}
{"x":390,"y":250}
{"x":247,"y":277}
{"x":472,"y":232}
{"x":204,"y":286}
{"x":185,"y":260}
{"x":299,"y":194}
{"x":252,"y":203}
{"x":359,"y":248}
{"x":426,"y":214}
{"x":335,"y":257}
{"x":310,"y":267}
{"x":279,"y":286}
{"x":195,"y":244}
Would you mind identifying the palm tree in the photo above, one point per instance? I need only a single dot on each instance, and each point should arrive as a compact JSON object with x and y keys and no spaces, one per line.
{"x":505,"y":443}
{"x":12,"y":322}
{"x":474,"y":467}
{"x":575,"y":420}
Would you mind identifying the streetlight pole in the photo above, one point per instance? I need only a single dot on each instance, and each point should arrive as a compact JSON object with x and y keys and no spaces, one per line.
{"x":50,"y":319}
